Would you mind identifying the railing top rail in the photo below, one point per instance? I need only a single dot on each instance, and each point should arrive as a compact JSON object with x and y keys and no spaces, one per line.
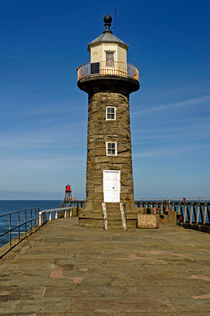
{"x":117,"y":68}
{"x":19,"y":211}
{"x":104,"y":61}
{"x":55,"y":209}
{"x":174,"y":201}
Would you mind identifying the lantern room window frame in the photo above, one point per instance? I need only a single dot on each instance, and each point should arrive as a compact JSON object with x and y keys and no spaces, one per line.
{"x":110,"y":58}
{"x":111,"y":148}
{"x":111,"y":113}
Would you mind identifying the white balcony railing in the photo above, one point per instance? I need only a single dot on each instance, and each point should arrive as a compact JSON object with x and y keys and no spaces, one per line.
{"x":102,"y":69}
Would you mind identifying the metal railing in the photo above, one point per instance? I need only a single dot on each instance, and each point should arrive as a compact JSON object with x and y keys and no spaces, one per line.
{"x":23,"y":223}
{"x":53,"y":214}
{"x":72,"y":203}
{"x":102,"y":69}
{"x":190,"y":214}
{"x":20,"y":224}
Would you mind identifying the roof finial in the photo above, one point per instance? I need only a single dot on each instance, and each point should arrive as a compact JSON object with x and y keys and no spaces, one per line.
{"x":108,"y":21}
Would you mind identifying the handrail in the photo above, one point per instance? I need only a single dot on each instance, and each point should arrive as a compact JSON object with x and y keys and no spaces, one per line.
{"x":102,"y":69}
{"x":42,"y":214}
{"x":27,"y":218}
{"x":123,"y":215}
{"x":31,"y":220}
{"x":104,"y":215}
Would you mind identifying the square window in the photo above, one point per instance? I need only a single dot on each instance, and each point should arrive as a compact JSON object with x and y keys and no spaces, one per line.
{"x":111,"y":149}
{"x":111,"y":113}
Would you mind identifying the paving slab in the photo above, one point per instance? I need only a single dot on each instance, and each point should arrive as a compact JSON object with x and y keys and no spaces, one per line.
{"x":64,"y":269}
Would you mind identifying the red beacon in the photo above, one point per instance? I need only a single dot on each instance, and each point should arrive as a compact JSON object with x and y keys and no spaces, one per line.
{"x":68,"y":188}
{"x":68,"y":197}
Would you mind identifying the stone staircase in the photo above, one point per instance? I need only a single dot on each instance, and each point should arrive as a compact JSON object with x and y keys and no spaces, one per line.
{"x":111,"y":216}
{"x":114,"y":220}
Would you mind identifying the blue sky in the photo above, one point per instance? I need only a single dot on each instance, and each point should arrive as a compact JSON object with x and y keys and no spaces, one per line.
{"x":43,"y":118}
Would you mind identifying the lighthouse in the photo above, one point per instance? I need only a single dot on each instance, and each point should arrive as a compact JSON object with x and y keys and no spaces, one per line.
{"x":108,"y":80}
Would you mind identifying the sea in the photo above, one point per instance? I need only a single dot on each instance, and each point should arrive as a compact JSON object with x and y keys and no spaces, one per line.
{"x":7,"y":207}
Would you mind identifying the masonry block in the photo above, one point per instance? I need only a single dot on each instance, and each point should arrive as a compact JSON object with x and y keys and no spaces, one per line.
{"x":148,"y":221}
{"x":74,"y":211}
{"x":171,"y":219}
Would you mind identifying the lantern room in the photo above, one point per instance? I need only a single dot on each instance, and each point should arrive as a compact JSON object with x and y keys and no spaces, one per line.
{"x":108,"y":56}
{"x":107,"y":47}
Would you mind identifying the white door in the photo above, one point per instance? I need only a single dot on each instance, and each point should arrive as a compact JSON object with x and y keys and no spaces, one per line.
{"x":111,"y":185}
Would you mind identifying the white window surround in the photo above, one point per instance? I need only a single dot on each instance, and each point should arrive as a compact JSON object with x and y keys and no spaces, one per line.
{"x":111,"y":148}
{"x":110,"y":113}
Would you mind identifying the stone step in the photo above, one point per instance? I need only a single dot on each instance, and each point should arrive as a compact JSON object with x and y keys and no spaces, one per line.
{"x":91,"y":222}
{"x":115,"y":226}
{"x":113,"y":210}
{"x":114,"y":216}
{"x":114,"y":220}
{"x":131,"y":223}
{"x":131,"y":216}
{"x":96,"y":215}
{"x":112,"y":206}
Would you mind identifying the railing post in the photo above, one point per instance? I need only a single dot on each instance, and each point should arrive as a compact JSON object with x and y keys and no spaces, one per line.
{"x":31,"y":219}
{"x":19,"y":226}
{"x":198,"y":213}
{"x":25,"y":222}
{"x":191,"y":213}
{"x":188,"y":214}
{"x":205,"y":213}
{"x":40,"y":218}
{"x":161,"y":208}
{"x":50,"y":216}
{"x":179,"y":209}
{"x":201,"y":213}
{"x":56,"y":215}
{"x":37,"y":217}
{"x":173,"y":207}
{"x":208,"y":213}
{"x":35,"y":221}
{"x":10,"y":226}
{"x":185,"y":212}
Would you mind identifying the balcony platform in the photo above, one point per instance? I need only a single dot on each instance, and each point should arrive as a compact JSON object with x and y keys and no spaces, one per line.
{"x":113,"y":83}
{"x":64,"y":269}
{"x":98,"y":76}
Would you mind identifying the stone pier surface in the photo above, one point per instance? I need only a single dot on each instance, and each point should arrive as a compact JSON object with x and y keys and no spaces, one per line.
{"x":64,"y":269}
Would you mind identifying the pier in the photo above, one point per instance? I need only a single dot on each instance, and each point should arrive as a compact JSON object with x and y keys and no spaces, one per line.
{"x":64,"y":269}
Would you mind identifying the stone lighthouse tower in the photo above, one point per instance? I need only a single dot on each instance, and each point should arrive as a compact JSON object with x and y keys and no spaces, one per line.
{"x":108,"y":79}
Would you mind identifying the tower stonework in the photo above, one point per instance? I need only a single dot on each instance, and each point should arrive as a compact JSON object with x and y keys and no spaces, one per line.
{"x":108,"y":80}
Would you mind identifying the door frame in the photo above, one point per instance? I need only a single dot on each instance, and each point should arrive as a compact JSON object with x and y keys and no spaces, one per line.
{"x":111,"y":171}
